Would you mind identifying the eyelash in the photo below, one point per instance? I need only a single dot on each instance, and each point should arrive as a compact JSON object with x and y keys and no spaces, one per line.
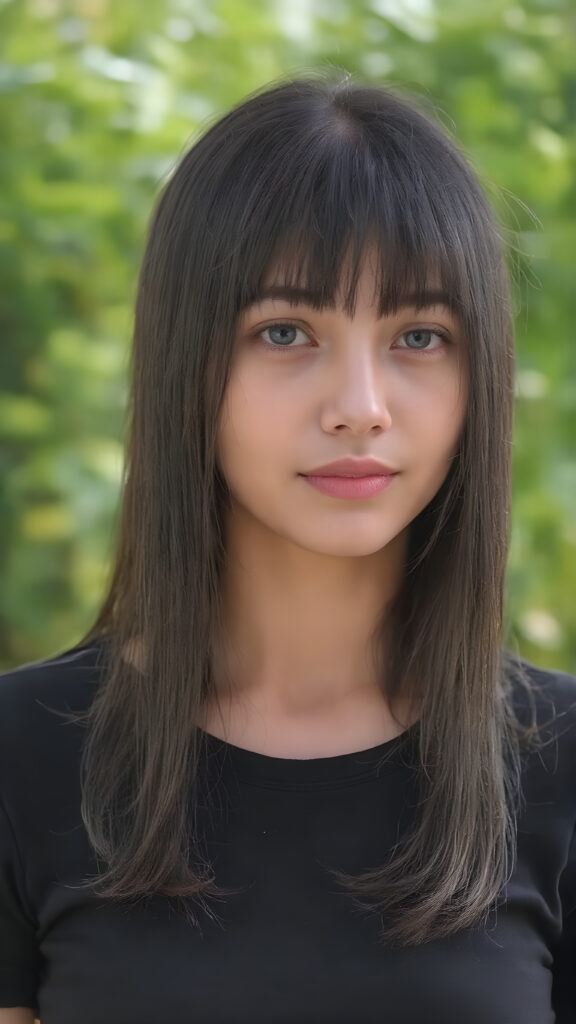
{"x":439,"y":332}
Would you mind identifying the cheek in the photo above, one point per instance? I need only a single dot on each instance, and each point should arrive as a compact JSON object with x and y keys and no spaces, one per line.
{"x":252,"y":423}
{"x":435,"y":419}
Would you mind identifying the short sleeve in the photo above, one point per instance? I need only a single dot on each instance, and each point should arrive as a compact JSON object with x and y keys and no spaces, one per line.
{"x":564,"y":983}
{"x":19,"y":955}
{"x":564,"y":967}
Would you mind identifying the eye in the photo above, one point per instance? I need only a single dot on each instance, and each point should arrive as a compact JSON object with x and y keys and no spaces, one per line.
{"x":281,"y":336}
{"x":420,"y":339}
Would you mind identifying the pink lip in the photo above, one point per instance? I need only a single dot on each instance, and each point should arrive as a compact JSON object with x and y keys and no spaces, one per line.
{"x":351,"y":467}
{"x":350,"y":487}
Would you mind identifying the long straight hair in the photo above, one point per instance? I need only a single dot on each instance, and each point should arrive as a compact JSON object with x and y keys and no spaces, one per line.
{"x":304,"y":177}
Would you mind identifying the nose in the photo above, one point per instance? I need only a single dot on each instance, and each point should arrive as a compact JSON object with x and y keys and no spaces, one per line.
{"x":358,"y":395}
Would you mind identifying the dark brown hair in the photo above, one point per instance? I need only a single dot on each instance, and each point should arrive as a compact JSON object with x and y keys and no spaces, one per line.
{"x":304,"y":175}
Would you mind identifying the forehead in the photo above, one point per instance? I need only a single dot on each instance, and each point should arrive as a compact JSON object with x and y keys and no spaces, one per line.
{"x":361,"y":284}
{"x":329,"y":248}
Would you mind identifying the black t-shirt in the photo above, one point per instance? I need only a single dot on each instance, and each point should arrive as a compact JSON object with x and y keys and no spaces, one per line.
{"x":289,"y":948}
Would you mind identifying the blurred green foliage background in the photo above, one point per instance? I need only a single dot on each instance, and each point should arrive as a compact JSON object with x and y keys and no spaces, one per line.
{"x":97,"y":102}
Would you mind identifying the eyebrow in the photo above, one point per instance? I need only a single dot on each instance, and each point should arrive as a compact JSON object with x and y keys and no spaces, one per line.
{"x":294,"y":295}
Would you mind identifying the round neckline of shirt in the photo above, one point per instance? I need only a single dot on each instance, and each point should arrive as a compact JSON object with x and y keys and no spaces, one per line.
{"x":265,"y":769}
{"x":253,"y":766}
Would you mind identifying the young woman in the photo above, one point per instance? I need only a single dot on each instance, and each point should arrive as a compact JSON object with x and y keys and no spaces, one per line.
{"x":289,"y":775}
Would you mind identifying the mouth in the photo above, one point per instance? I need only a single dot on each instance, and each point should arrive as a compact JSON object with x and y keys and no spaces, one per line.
{"x":350,"y":487}
{"x":345,"y":476}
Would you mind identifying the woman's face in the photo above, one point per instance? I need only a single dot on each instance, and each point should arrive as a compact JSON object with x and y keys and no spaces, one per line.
{"x":311,"y":386}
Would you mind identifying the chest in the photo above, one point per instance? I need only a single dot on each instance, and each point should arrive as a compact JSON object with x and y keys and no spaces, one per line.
{"x":288,"y":946}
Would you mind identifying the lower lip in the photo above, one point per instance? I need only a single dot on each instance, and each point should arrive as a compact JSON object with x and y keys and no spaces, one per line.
{"x":350,"y":487}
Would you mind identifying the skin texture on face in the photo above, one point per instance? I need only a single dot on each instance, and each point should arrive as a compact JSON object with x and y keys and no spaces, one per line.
{"x":308,"y":575}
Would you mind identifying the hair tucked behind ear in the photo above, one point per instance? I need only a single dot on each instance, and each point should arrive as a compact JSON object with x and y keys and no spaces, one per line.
{"x":307,"y":174}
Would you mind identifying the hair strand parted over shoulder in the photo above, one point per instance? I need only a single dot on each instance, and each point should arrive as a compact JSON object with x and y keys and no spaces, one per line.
{"x":299,"y":181}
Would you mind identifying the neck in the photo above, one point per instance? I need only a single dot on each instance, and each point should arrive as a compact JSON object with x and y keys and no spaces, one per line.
{"x":298,"y":626}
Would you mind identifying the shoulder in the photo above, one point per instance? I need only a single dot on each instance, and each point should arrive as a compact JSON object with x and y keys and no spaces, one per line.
{"x":68,"y":674}
{"x":545,"y":701}
{"x":542,"y":696}
{"x":37,"y":699}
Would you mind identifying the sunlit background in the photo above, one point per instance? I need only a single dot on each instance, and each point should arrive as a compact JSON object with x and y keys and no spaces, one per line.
{"x":98,"y":99}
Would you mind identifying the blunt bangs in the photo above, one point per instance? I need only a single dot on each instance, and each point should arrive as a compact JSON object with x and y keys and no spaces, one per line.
{"x":321,"y":244}
{"x":305,"y":199}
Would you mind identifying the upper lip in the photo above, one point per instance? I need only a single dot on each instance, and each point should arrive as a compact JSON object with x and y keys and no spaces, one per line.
{"x":352,"y":467}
